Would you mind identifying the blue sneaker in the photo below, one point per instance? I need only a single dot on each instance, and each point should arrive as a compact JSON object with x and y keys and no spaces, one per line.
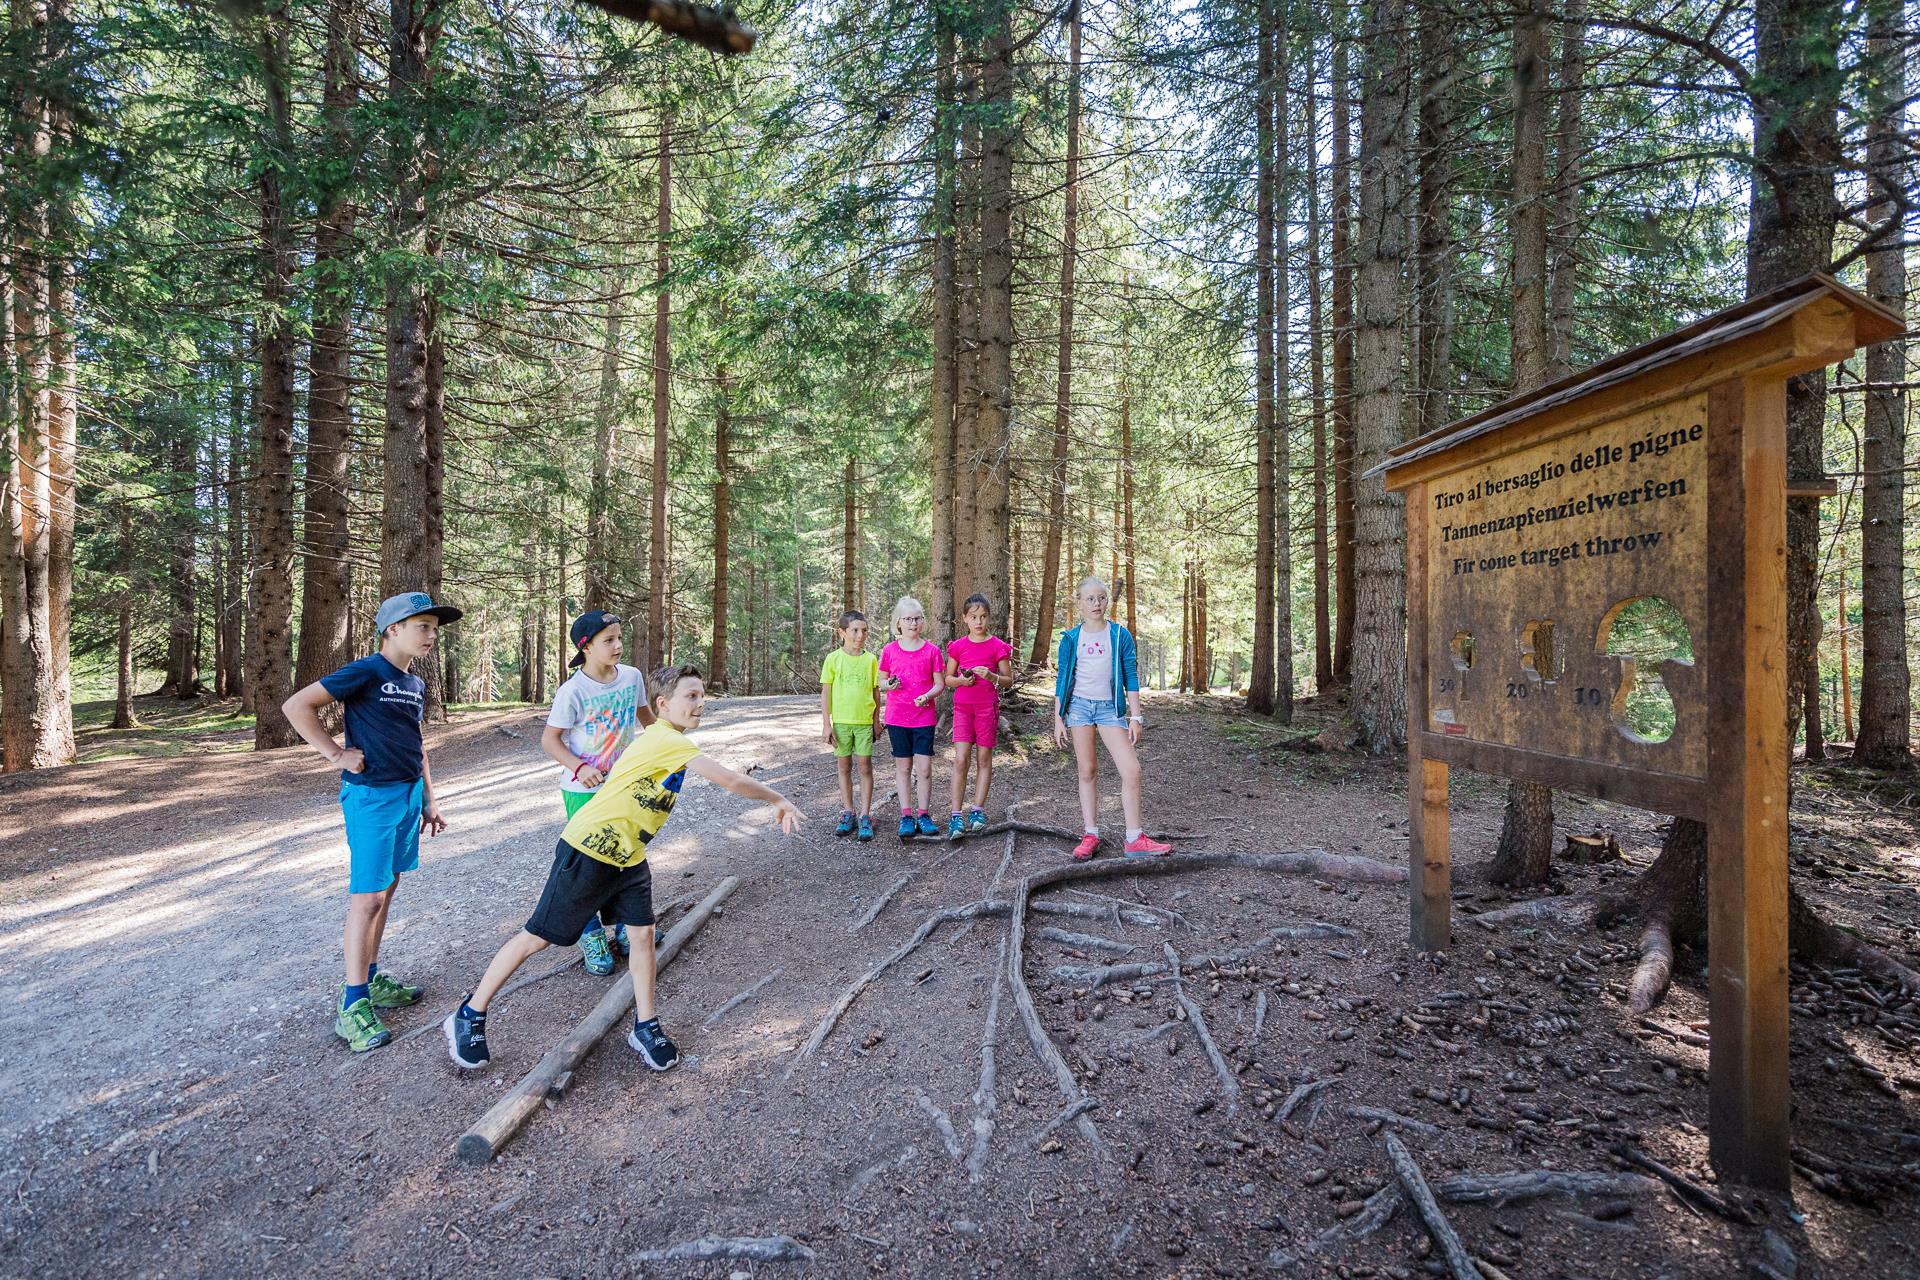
{"x":846,"y":823}
{"x":599,"y":956}
{"x":956,"y":827}
{"x":864,"y":832}
{"x":928,"y":827}
{"x":908,"y":827}
{"x":976,"y":820}
{"x":620,"y":939}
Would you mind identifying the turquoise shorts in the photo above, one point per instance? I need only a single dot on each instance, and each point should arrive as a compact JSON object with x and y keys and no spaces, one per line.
{"x":383,"y":832}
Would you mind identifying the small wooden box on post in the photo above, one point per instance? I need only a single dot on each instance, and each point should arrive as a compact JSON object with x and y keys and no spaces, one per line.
{"x":1596,"y":600}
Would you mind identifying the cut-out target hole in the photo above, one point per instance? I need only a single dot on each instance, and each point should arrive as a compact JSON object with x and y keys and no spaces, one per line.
{"x":1643,"y":632}
{"x":1462,"y":651}
{"x":1539,"y":657}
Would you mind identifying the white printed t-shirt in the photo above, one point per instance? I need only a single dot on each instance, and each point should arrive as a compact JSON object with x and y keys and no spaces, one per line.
{"x":599,"y":719}
{"x":1093,"y":667}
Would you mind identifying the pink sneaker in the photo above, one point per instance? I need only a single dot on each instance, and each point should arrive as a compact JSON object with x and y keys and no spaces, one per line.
{"x":1145,"y":847}
{"x":1088,"y":846}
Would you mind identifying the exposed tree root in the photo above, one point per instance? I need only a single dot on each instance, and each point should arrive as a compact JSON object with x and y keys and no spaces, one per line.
{"x":1300,"y":1095}
{"x":1499,"y":1189}
{"x":1011,"y":826}
{"x":1087,"y":911}
{"x":985,"y":1096}
{"x":1043,"y":1046}
{"x":1375,"y":1214}
{"x":1655,"y":970}
{"x":1131,"y":911}
{"x":880,"y":904}
{"x":1414,"y":1184}
{"x":1088,"y":942}
{"x":709,"y":1248}
{"x":946,"y":915}
{"x":1259,"y":1013}
{"x":1572,"y":909}
{"x":1102,"y":975}
{"x":1072,"y":1111}
{"x":738,"y":1000}
{"x":1229,"y":1084}
{"x":1823,"y":942}
{"x":942,"y":1123}
{"x":1392,"y":1119}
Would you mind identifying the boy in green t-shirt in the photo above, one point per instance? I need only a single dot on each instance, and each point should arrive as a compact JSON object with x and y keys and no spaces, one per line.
{"x":847,"y":714}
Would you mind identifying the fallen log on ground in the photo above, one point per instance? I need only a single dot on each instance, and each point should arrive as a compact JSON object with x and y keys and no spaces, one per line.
{"x":1655,"y":970}
{"x":506,"y":1117}
{"x":1414,"y":1184}
{"x":1499,"y":1189}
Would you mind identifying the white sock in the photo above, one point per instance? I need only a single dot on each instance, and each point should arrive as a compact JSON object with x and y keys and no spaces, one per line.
{"x":1133,"y":833}
{"x":1094,"y":832}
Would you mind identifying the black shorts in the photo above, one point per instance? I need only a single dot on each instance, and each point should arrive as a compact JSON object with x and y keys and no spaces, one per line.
{"x":579,"y":886}
{"x":910,"y":741}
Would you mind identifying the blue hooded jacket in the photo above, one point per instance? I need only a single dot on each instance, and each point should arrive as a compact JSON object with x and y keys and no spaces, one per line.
{"x":1126,"y":676}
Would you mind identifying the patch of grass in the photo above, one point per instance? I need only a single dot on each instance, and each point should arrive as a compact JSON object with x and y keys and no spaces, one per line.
{"x":166,"y":727}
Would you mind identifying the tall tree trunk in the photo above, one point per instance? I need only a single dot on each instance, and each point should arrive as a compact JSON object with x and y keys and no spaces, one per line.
{"x":1886,"y":706}
{"x":994,"y":392}
{"x":1260,"y":682}
{"x":964,"y":493}
{"x":596,"y":589}
{"x":849,"y":533}
{"x":1316,"y":355}
{"x":1063,"y":384}
{"x":1524,"y":855}
{"x":1282,"y":537}
{"x":799,"y":597}
{"x":1379,"y":701}
{"x":63,"y":413}
{"x":1796,"y":152}
{"x":722,"y":523}
{"x":1344,"y":588}
{"x":1433,"y":357}
{"x":412,"y":466}
{"x":1132,"y":571}
{"x":662,"y":357}
{"x":270,"y":672}
{"x":1569,"y":221}
{"x":33,"y":734}
{"x":183,"y":671}
{"x":325,"y":575}
{"x":232,"y":593}
{"x":123,"y":649}
{"x":941,"y":399}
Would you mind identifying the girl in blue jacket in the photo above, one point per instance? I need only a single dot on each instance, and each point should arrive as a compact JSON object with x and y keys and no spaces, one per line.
{"x":1098,"y":693}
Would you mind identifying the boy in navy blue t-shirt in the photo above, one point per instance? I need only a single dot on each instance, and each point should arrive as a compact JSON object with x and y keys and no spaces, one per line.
{"x":386,"y":795}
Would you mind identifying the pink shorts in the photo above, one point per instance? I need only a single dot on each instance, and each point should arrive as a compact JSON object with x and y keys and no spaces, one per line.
{"x":978,"y":725}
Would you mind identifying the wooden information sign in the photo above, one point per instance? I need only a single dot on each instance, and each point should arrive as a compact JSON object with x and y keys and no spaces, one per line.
{"x":1596,"y":599}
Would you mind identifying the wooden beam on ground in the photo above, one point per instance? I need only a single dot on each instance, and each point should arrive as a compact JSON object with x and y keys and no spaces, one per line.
{"x":506,"y":1117}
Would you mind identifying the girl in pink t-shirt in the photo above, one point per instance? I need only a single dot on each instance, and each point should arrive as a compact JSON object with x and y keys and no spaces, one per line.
{"x":910,"y":672}
{"x":978,"y":667}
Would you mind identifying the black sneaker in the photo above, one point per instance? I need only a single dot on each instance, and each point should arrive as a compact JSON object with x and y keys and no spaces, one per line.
{"x":466,"y":1037}
{"x":651,"y":1043}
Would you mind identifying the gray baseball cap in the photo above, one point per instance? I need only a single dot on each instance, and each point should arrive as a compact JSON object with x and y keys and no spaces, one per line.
{"x":405,"y":605}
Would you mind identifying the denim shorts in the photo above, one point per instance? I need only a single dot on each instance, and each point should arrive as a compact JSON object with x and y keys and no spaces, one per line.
{"x":1086,"y":711}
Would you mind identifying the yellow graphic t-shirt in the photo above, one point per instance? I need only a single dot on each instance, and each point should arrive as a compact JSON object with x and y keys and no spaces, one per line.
{"x":853,"y":677}
{"x":634,"y":802}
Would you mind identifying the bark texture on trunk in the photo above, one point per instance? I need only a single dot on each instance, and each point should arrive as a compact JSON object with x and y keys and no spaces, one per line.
{"x":1343,"y":339}
{"x":722,"y":525}
{"x":270,"y":669}
{"x":656,"y":639}
{"x":1261,"y":681}
{"x":1796,"y":152}
{"x":1569,"y":219}
{"x":1316,"y":374}
{"x":1886,"y":706}
{"x":994,"y":390}
{"x":325,"y":579}
{"x":1063,"y":367}
{"x":123,"y":648}
{"x":597,"y":589}
{"x":941,"y":398}
{"x":1379,"y":700}
{"x":1434,"y":260}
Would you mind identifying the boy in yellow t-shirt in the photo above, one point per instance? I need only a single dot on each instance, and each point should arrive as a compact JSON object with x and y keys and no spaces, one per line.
{"x":847,"y":713}
{"x":600,"y":866}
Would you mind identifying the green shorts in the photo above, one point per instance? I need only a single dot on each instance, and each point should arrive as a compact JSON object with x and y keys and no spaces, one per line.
{"x":574,"y":799}
{"x":853,"y":739}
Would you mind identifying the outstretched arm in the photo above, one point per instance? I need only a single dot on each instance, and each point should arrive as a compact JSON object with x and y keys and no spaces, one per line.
{"x":742,"y":785}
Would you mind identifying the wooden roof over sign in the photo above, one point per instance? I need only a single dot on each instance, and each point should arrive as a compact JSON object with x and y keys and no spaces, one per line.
{"x":1870,"y":323}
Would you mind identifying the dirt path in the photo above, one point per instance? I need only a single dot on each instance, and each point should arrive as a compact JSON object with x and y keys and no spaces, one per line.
{"x":172,"y":1101}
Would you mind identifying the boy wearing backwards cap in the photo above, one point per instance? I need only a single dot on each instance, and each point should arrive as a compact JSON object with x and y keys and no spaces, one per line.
{"x":386,"y":795}
{"x":591,"y":723}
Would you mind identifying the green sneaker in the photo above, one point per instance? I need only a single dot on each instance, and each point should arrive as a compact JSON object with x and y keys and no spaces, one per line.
{"x":361,"y":1027}
{"x":389,"y":994}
